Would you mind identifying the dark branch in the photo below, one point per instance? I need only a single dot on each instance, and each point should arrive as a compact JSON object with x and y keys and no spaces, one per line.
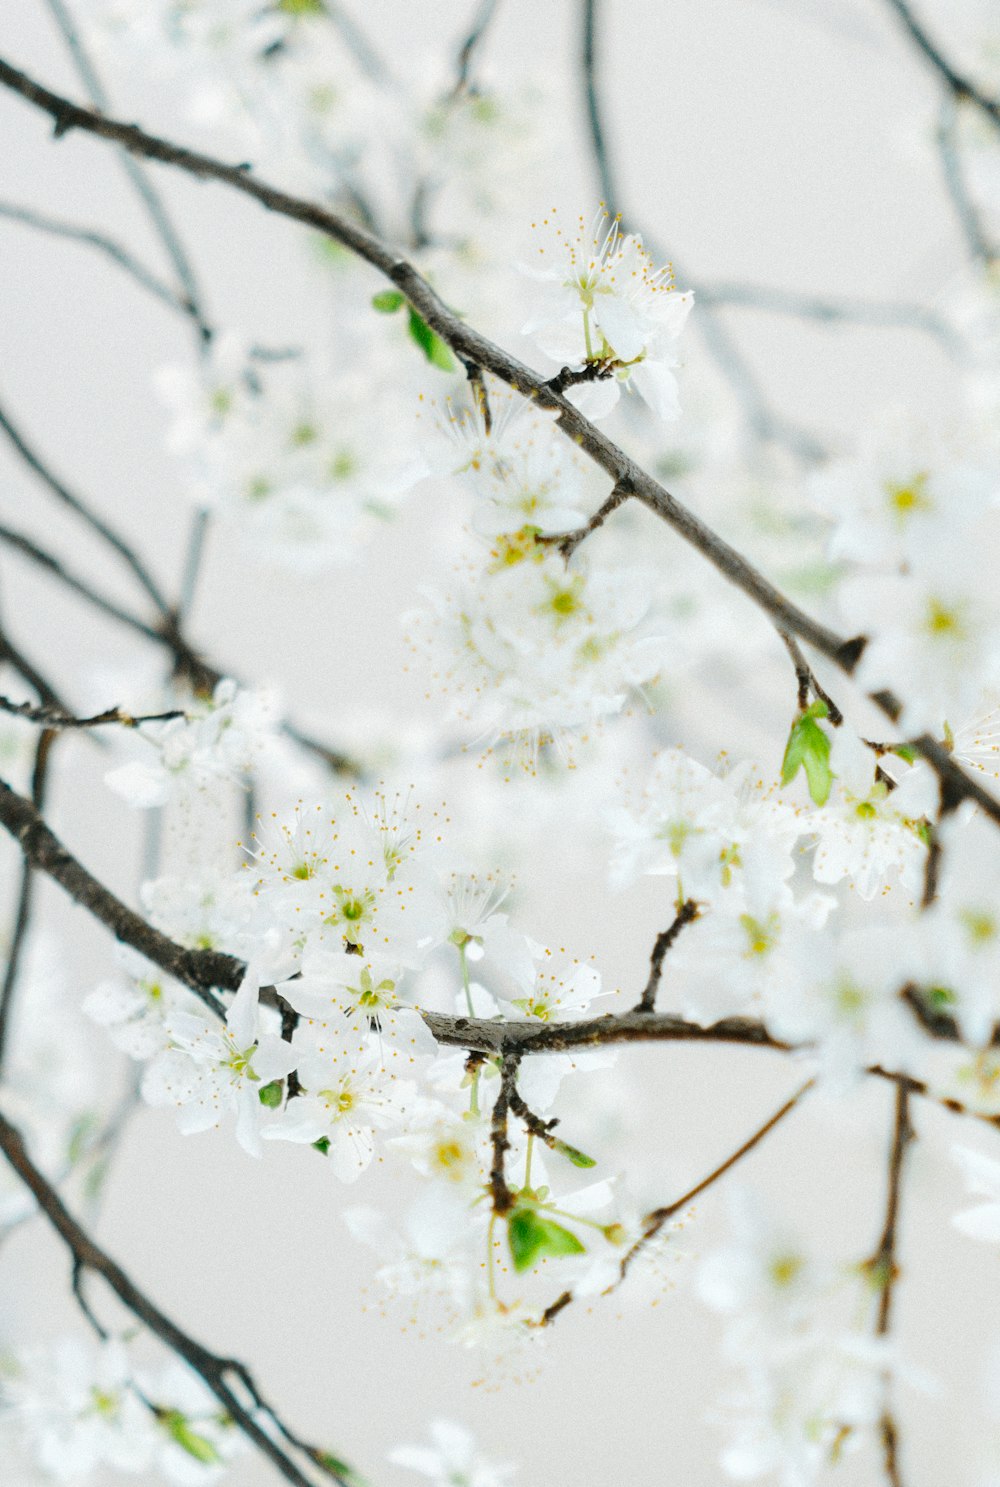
{"x":962,"y":88}
{"x":687,"y":912}
{"x":25,"y":898}
{"x":76,"y":503}
{"x":212,"y":1369}
{"x":141,"y":184}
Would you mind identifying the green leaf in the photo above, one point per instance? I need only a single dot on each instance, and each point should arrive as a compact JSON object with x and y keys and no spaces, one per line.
{"x":388,"y":302}
{"x":270,"y":1094}
{"x":189,"y":1440}
{"x":430,"y":343}
{"x":904,"y":751}
{"x":533,"y":1237}
{"x":322,"y":1145}
{"x":302,"y":7}
{"x":342,"y":1469}
{"x":573,"y":1154}
{"x":808,"y":748}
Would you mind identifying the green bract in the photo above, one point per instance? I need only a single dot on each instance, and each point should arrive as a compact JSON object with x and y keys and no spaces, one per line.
{"x":573,"y":1154}
{"x":808,"y":748}
{"x":533,"y":1237}
{"x":189,"y":1440}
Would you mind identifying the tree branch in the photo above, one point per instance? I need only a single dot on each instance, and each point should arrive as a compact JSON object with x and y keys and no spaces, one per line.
{"x":687,"y":912}
{"x":883,"y":1269}
{"x":56,"y":227}
{"x":212,"y":1369}
{"x":77,"y":504}
{"x":961,"y":87}
{"x":143,"y":187}
{"x":654,"y":1221}
{"x":25,"y":898}
{"x":760,"y":417}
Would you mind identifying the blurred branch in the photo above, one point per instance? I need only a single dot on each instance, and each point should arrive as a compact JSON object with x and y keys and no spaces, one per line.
{"x":981,"y":248}
{"x":215,"y":1371}
{"x":77,"y":504}
{"x":654,"y":1221}
{"x":357,"y":42}
{"x":56,"y":227}
{"x":485,"y":13}
{"x":55,"y":718}
{"x":143,"y":187}
{"x":763,"y":420}
{"x":830,"y":310}
{"x":25,"y":897}
{"x":883,"y":1268}
{"x":961,"y":87}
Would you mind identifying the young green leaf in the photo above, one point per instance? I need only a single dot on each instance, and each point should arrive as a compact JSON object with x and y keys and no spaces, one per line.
{"x":339,"y":1468}
{"x":270,"y":1094}
{"x":198,"y":1446}
{"x":388,"y":302}
{"x":430,"y":343}
{"x":573,"y":1154}
{"x":322,"y":1145}
{"x":808,"y":748}
{"x":533,"y":1237}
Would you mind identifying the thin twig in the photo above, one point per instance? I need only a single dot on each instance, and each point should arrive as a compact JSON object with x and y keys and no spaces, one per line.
{"x":883,"y":1266}
{"x":82,"y":508}
{"x":687,"y":912}
{"x":830,"y":310}
{"x":568,"y":542}
{"x":806,"y":678}
{"x":982,"y":249}
{"x":654,"y":1221}
{"x":56,"y":718}
{"x":25,"y":898}
{"x":56,"y":227}
{"x":961,"y":87}
{"x":476,"y":35}
{"x":501,"y":1196}
{"x":143,"y":187}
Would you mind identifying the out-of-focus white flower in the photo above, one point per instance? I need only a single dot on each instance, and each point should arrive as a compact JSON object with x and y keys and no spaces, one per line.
{"x":982,"y":1180}
{"x":533,"y":649}
{"x":219,"y":739}
{"x":452,"y":1459}
{"x":76,"y":1409}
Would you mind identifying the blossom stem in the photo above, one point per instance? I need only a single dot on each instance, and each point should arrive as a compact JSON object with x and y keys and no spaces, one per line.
{"x":466,"y":987}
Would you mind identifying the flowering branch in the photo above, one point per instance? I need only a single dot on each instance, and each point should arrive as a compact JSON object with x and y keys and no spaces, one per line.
{"x":471,"y":346}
